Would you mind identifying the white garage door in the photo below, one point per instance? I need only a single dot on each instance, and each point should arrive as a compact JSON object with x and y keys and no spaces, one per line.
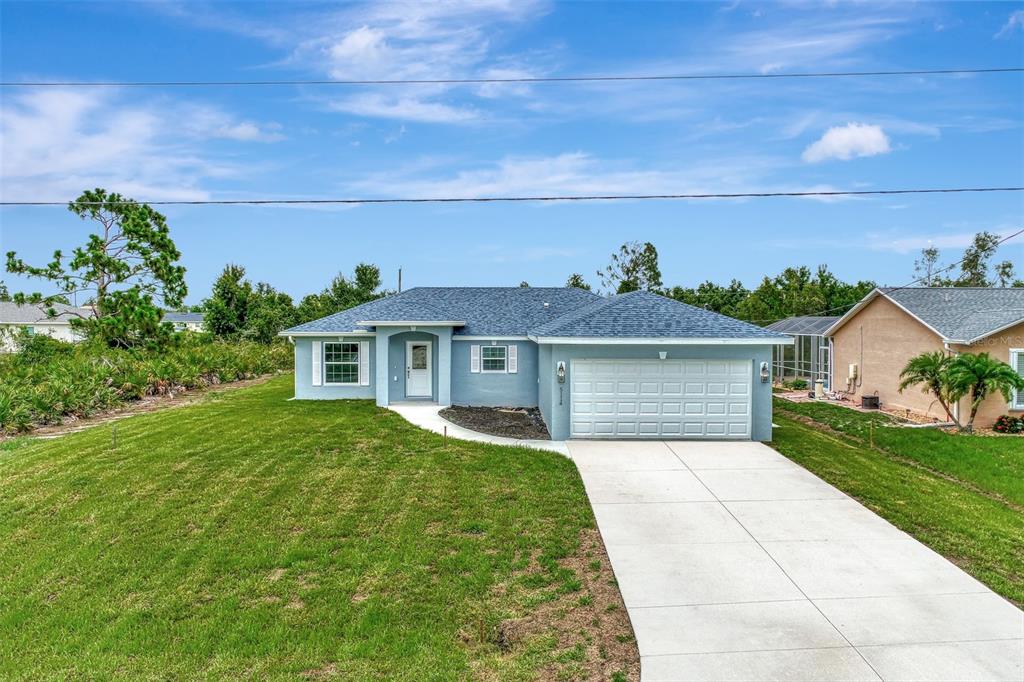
{"x":660,"y":398}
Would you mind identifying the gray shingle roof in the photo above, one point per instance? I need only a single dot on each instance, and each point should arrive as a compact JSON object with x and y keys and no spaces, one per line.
{"x":807,"y":325}
{"x":12,"y":313}
{"x":486,"y":311}
{"x":183,"y":317}
{"x":962,"y":314}
{"x":641,"y":314}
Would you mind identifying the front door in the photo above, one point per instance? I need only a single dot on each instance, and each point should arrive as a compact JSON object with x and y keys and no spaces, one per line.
{"x":417,"y":370}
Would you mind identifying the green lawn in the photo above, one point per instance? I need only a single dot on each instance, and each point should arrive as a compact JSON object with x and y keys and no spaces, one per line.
{"x":964,"y":520}
{"x":994,"y":464}
{"x":248,"y":536}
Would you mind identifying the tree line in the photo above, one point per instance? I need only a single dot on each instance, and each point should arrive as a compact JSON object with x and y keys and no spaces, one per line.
{"x":129,"y":268}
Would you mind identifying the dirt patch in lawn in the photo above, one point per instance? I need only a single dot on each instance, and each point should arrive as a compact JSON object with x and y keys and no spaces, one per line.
{"x":511,"y":422}
{"x":594,"y":635}
{"x":174,"y":398}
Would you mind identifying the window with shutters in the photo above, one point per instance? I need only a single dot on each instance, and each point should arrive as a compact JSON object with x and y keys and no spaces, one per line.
{"x":1017,"y":362}
{"x":341,"y":363}
{"x":493,"y":358}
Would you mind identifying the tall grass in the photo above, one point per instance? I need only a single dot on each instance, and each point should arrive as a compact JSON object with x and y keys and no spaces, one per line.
{"x":48,"y":381}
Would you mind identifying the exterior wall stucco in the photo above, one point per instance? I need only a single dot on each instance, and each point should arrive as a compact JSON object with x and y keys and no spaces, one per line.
{"x":61,"y":332}
{"x":495,"y":389}
{"x":998,"y":346}
{"x":557,"y":405}
{"x":304,"y":388}
{"x":891,"y":337}
{"x":391,"y":363}
{"x":881,"y":339}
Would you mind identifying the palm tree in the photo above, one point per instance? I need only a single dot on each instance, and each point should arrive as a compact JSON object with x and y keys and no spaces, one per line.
{"x":980,"y":376}
{"x":931,"y":370}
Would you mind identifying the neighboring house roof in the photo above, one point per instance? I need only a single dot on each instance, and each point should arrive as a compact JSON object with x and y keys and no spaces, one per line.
{"x":183,"y":317}
{"x":478,"y":311}
{"x":642,"y":314}
{"x":804,"y":325}
{"x":956,"y":314}
{"x":35,"y":313}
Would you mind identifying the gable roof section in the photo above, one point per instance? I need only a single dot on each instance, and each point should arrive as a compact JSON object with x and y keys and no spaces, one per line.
{"x":645,"y":315}
{"x":957,"y":315}
{"x":12,"y":313}
{"x":481,"y":311}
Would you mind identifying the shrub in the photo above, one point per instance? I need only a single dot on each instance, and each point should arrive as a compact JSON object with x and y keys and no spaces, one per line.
{"x":797,"y":384}
{"x":49,"y":380}
{"x":1009,"y":424}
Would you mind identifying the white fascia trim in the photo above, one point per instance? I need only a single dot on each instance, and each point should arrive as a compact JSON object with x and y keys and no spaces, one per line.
{"x":490,"y":338}
{"x":360,"y":332}
{"x":643,"y":341}
{"x":411,"y":323}
{"x":988,"y":334}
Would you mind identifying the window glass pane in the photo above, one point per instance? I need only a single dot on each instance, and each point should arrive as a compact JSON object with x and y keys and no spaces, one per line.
{"x":419,"y":357}
{"x":342,"y":373}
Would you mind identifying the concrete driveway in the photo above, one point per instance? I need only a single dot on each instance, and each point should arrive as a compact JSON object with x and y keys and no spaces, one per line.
{"x":736,"y":564}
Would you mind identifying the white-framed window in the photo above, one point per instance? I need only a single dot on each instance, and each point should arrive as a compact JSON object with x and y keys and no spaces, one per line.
{"x":1017,"y":362}
{"x":494,"y":358}
{"x":341,"y":363}
{"x":29,"y":331}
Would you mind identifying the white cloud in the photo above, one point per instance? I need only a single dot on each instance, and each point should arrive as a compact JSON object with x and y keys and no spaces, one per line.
{"x":410,"y":108}
{"x":906,"y":244}
{"x":573,"y":173}
{"x":847,"y":142}
{"x":55,"y":143}
{"x":1013,"y":24}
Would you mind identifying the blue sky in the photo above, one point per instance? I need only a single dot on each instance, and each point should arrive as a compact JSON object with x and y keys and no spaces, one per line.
{"x":420,"y":141}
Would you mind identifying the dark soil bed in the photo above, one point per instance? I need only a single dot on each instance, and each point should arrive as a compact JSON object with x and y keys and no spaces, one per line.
{"x":511,"y":422}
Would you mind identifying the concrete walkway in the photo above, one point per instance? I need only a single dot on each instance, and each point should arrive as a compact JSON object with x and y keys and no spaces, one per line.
{"x":425,"y":415}
{"x":736,"y":564}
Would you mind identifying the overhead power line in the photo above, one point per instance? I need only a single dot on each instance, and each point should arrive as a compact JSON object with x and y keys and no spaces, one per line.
{"x":577,"y":197}
{"x":525,"y":79}
{"x":913,"y":283}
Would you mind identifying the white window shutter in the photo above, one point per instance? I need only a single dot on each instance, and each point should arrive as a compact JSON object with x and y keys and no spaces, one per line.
{"x":317,"y":355}
{"x":364,"y":363}
{"x":513,"y":359}
{"x":474,"y":358}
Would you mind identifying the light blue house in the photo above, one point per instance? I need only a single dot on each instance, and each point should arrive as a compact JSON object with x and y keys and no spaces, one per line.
{"x":634,"y":365}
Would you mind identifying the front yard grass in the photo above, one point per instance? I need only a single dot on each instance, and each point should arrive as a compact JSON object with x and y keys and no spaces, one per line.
{"x":960,"y":509}
{"x":248,"y":536}
{"x":994,"y":464}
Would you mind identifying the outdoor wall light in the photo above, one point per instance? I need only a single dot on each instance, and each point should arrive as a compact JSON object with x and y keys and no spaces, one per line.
{"x":765,"y":374}
{"x":560,"y":372}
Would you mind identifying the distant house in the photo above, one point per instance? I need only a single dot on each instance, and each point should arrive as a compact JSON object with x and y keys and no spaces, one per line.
{"x":33,"y":319}
{"x":192,"y":322}
{"x":873,"y":342}
{"x":809,"y":358}
{"x":635,"y":365}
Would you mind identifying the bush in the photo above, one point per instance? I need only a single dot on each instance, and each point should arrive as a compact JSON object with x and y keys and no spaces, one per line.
{"x":797,"y":384}
{"x":1009,"y":424}
{"x":49,"y":380}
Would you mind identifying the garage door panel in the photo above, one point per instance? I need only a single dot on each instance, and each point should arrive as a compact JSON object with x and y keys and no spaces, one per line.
{"x":661,"y":398}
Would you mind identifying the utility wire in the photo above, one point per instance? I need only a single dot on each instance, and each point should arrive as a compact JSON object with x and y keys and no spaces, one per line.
{"x":887,"y":290}
{"x":481,"y":81}
{"x":577,"y":197}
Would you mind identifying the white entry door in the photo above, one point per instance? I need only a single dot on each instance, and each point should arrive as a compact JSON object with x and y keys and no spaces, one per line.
{"x":660,"y":398}
{"x":418,"y":382}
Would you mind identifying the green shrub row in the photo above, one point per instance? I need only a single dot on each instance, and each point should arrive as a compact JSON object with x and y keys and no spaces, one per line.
{"x":48,"y":380}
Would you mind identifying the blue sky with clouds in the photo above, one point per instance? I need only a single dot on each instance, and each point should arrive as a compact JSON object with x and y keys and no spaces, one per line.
{"x":508,"y":139}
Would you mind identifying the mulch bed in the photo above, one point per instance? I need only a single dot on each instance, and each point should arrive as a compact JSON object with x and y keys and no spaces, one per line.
{"x":512,"y":422}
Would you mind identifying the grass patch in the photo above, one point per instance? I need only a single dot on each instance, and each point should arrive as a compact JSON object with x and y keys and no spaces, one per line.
{"x":982,"y":535}
{"x":249,"y":536}
{"x":994,"y":464}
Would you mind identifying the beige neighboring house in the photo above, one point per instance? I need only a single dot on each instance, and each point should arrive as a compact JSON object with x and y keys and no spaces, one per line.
{"x":872,"y":343}
{"x":192,"y":322}
{"x":34,"y":320}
